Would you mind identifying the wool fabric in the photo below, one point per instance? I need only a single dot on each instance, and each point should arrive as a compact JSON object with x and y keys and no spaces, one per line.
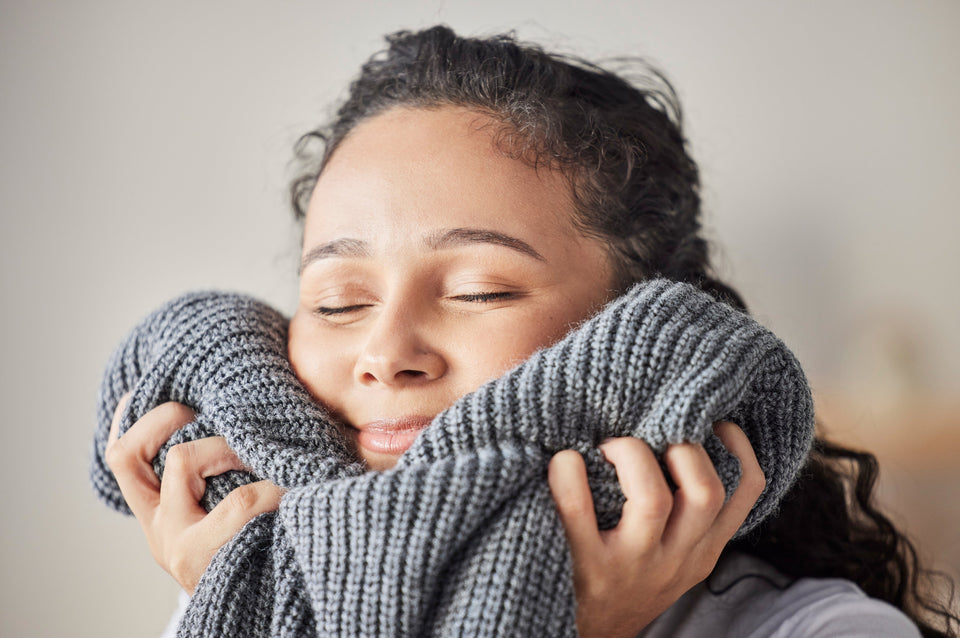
{"x":461,"y":537}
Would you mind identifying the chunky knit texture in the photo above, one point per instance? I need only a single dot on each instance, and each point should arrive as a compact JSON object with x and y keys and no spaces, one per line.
{"x":462,"y":537}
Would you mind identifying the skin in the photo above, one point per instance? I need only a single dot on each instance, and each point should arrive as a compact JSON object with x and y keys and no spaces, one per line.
{"x":422,"y":238}
{"x":385,"y":334}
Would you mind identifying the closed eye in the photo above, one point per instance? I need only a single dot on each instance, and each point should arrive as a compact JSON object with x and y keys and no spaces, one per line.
{"x":328,"y":311}
{"x":483,"y":297}
{"x":479,"y":297}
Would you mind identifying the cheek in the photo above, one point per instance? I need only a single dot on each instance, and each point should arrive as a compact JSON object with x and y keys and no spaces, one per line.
{"x":508,"y":345}
{"x":317,"y":361}
{"x":544,"y":325}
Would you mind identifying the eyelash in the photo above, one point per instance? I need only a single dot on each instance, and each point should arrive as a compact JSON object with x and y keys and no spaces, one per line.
{"x":484,"y":297}
{"x":326,"y":311}
{"x":479,"y":297}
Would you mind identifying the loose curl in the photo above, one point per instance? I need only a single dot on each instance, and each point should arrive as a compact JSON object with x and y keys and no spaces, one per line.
{"x":620,"y":144}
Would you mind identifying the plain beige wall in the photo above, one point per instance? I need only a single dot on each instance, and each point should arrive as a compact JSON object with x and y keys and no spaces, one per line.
{"x":144,"y":150}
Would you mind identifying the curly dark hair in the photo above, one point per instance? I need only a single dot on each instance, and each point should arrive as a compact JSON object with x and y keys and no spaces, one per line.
{"x":620,"y":144}
{"x":622,"y":148}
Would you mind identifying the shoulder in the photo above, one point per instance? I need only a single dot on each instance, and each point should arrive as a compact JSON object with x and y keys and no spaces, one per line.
{"x":747,"y":598}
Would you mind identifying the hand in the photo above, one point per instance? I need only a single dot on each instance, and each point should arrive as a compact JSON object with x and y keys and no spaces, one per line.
{"x":665,"y":542}
{"x":182,"y":536}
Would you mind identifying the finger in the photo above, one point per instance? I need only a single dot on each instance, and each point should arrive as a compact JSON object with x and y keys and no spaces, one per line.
{"x":567,"y":477}
{"x":145,"y":437}
{"x":649,"y":500}
{"x":117,"y":415}
{"x":698,"y":498}
{"x":187,"y":468}
{"x":130,"y":457}
{"x":237,"y":509}
{"x":752,"y":481}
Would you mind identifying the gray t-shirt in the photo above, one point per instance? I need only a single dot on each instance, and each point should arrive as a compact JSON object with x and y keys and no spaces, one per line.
{"x":746,"y":597}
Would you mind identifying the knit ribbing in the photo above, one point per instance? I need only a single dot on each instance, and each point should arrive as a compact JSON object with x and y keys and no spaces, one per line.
{"x":462,"y":537}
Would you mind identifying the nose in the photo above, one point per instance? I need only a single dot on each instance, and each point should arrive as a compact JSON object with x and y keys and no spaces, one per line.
{"x":396,"y":353}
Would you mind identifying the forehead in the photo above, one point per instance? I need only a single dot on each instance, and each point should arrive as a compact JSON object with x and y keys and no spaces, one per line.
{"x":436,"y":167}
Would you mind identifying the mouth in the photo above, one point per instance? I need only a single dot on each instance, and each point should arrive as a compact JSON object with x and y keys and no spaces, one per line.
{"x":391,"y":436}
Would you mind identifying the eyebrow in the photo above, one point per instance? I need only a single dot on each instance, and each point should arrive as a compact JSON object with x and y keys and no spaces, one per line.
{"x":461,"y":236}
{"x":343,"y":247}
{"x":347,"y":247}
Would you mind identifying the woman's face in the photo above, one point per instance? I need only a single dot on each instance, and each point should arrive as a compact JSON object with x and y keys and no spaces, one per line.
{"x":431,"y":264}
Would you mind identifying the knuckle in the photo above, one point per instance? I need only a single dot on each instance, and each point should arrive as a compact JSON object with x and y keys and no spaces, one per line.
{"x":110,"y":454}
{"x":596,"y":590}
{"x":118,"y":455}
{"x":242,"y":498}
{"x":657,"y":504}
{"x":181,"y":457}
{"x":599,"y":582}
{"x":708,"y":493}
{"x":717,"y":493}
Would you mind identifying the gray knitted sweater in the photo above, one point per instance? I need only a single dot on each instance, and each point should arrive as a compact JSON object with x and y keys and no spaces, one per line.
{"x":462,"y":537}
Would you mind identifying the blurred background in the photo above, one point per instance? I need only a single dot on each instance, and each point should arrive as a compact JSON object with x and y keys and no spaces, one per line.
{"x":145,"y":148}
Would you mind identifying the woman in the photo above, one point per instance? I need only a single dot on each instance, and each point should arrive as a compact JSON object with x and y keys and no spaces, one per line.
{"x":477,"y":188}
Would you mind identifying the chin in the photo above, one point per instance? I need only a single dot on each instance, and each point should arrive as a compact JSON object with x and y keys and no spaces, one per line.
{"x":379,"y":462}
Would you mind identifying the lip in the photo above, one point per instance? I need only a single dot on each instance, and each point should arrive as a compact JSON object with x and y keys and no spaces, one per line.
{"x":392,"y":436}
